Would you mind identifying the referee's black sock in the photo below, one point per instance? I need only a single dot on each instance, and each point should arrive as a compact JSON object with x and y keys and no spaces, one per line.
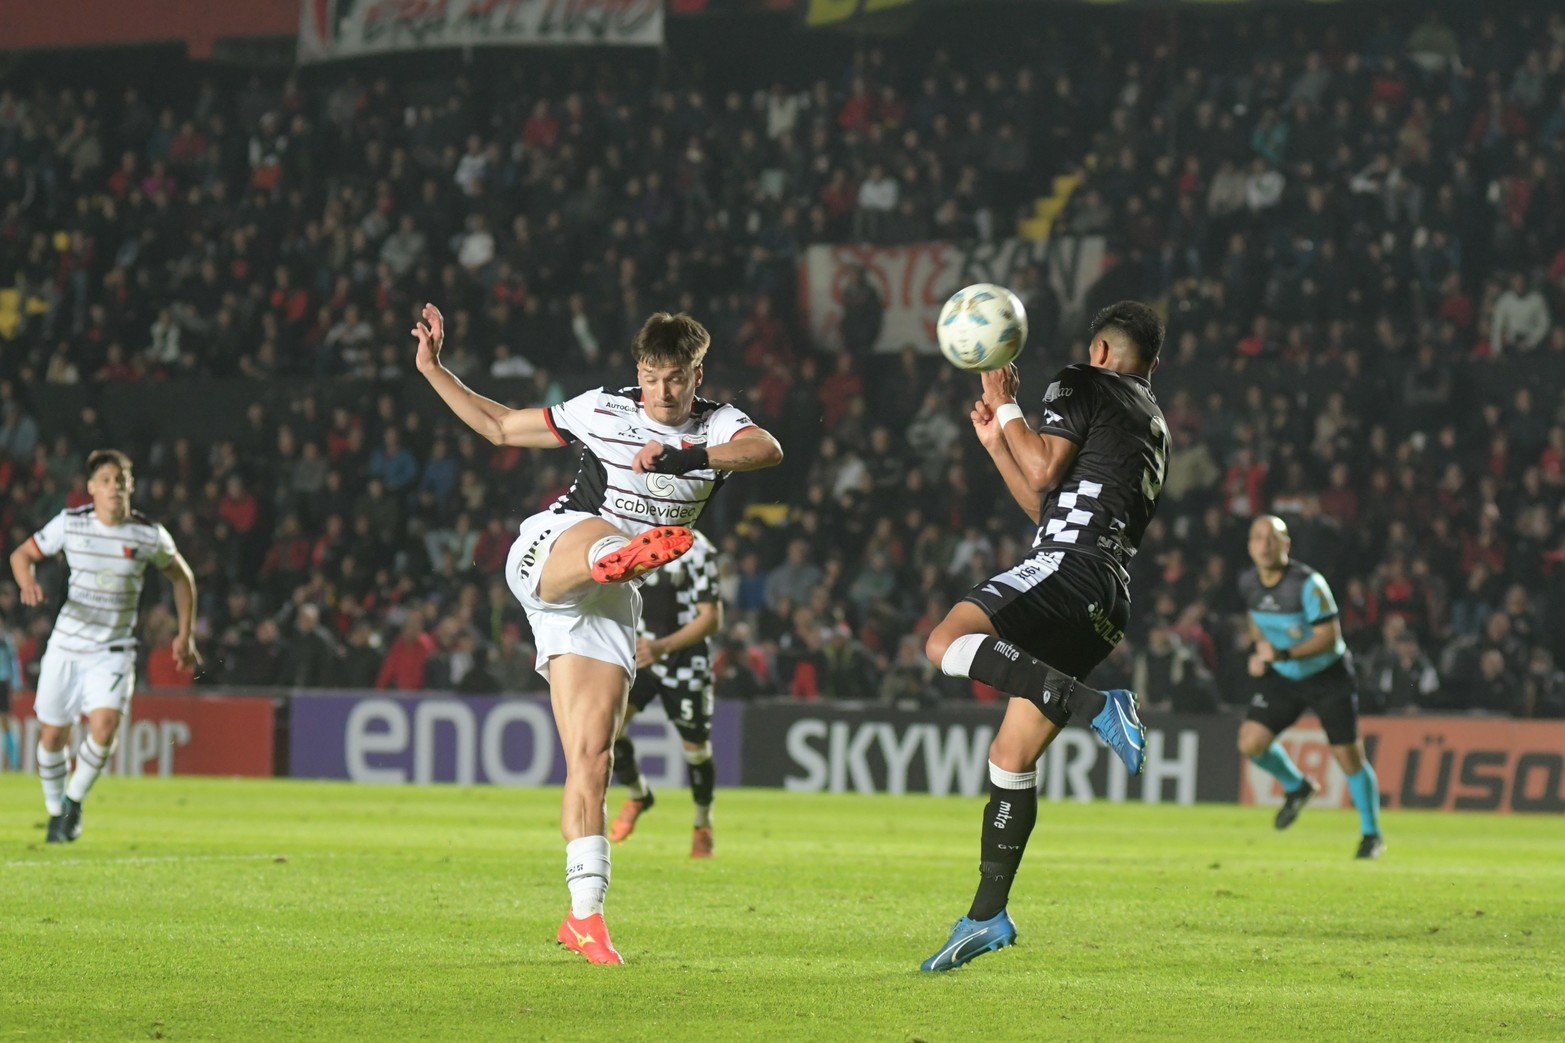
{"x":1004,"y":666}
{"x":1008,"y":820}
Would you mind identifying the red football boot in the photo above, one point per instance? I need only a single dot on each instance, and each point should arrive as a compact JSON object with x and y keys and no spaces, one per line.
{"x":590,"y":937}
{"x":650,"y":550}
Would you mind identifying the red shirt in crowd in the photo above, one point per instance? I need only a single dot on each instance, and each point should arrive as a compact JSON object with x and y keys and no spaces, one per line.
{"x":403,"y":669}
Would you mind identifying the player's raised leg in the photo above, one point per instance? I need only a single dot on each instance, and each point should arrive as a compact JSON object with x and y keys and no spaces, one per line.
{"x":1364,"y":787}
{"x":91,"y":757}
{"x":1008,"y":821}
{"x":589,"y":706}
{"x":597,"y":551}
{"x":965,"y":644}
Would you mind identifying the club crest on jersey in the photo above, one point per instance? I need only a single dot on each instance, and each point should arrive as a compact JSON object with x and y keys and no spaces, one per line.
{"x":692,"y":441}
{"x":130,"y":552}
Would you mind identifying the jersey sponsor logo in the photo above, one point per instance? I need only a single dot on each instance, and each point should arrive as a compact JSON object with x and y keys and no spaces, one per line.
{"x":1104,"y":627}
{"x":1258,"y":701}
{"x":660,"y":484}
{"x":1269,"y":604}
{"x":662,"y":511}
{"x":1051,"y":417}
{"x":1056,"y":391}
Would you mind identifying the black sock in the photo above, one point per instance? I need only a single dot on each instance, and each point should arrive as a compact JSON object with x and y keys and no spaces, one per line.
{"x":703,"y":781}
{"x":1014,"y":672}
{"x":1008,"y":820}
{"x":625,"y":771}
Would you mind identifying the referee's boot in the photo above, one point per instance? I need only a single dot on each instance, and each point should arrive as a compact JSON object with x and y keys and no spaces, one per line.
{"x":1118,"y":725}
{"x":70,"y":819}
{"x":1293,"y":802}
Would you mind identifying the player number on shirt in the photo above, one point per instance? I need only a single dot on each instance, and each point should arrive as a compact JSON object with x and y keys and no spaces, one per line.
{"x":1152,"y":477}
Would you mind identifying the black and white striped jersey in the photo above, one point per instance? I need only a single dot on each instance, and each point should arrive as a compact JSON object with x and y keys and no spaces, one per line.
{"x":108,"y":565}
{"x":1110,"y":493}
{"x":612,"y":428}
{"x":669,"y":598}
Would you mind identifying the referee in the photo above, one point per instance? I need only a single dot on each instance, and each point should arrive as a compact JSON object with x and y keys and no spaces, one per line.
{"x":680,"y":610}
{"x":1300,"y":662}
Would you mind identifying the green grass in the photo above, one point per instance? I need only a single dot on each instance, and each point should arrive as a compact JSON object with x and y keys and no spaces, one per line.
{"x":276,"y":909}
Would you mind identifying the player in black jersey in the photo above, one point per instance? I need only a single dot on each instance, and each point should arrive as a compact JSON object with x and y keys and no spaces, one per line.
{"x":680,"y":609}
{"x":1090,"y":477}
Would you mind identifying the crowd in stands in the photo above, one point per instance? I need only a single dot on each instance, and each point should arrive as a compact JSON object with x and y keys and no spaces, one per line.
{"x":1355,"y":222}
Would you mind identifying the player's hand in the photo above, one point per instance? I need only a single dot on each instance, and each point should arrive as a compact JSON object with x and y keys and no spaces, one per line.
{"x":1257,"y":665}
{"x":431,"y":334}
{"x":646,"y":457}
{"x":985,"y":425}
{"x":186,"y":658}
{"x":32,"y":593}
{"x":647,"y":653}
{"x":1000,"y":386}
{"x":1265,"y":650}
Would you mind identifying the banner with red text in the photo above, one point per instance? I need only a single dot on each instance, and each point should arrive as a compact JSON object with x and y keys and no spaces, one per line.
{"x":331,"y":29}
{"x":177,"y":735}
{"x":1452,"y":763}
{"x":914,"y":281}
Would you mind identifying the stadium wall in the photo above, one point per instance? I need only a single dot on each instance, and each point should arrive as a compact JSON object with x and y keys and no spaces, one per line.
{"x":1449,"y":763}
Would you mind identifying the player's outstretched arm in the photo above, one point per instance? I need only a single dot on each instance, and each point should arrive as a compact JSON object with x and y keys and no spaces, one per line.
{"x":183,"y":580}
{"x":987,"y":427}
{"x":1043,"y":458}
{"x":23,"y":562}
{"x":499,"y":423}
{"x":754,"y":450}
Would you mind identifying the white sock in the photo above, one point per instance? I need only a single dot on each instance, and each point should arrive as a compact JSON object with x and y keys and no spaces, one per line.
{"x":587,"y":874}
{"x":1012,"y":779}
{"x":701,"y":755}
{"x":703,"y":816}
{"x":51,"y":772}
{"x":90,"y":759}
{"x":958,"y":659}
{"x":607,"y":545}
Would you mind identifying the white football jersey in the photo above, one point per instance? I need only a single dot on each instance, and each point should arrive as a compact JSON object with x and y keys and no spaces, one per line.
{"x":612,"y":428}
{"x":108,"y":564}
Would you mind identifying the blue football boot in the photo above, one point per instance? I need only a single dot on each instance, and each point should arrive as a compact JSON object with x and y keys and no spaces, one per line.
{"x":1119,"y":726}
{"x":972,"y":938}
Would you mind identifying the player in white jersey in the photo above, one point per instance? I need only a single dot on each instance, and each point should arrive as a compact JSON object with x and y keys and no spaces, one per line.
{"x":651,"y":457}
{"x":89,"y":667}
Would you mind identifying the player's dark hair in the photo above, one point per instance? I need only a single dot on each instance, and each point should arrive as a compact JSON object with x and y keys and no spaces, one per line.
{"x":1137,"y":322}
{"x":98,"y":457}
{"x":672,"y":340}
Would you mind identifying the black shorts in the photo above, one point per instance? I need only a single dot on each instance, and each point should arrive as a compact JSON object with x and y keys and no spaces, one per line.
{"x":1279,"y":701}
{"x":5,"y":697}
{"x":1067,"y":609}
{"x":688,"y":710}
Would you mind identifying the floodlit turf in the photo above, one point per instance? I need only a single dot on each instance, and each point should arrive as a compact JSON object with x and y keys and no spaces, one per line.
{"x":278,"y":909}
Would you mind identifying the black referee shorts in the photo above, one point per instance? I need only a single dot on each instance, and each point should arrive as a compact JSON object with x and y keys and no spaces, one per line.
{"x":688,"y":710}
{"x":1068,"y":609}
{"x":1279,"y":701}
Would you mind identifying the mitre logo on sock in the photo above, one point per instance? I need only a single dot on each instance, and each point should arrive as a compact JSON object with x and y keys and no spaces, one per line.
{"x":1010,"y":652}
{"x":1003,"y":815}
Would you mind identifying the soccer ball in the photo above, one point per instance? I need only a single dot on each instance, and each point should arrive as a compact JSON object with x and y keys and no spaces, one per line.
{"x":982,"y":327}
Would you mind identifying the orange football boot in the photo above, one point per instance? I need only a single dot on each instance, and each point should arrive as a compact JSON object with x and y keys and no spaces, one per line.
{"x":590,"y":937}
{"x":701,"y":842}
{"x":650,"y":550}
{"x":625,"y":822}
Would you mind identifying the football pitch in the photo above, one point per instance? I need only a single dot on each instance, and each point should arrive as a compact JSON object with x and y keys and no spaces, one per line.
{"x":217,"y":909}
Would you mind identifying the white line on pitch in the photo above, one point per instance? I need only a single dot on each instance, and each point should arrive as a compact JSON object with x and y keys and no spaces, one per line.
{"x":138,"y":860}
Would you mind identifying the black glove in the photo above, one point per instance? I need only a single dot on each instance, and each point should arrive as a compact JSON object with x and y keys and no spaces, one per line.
{"x":680,"y":461}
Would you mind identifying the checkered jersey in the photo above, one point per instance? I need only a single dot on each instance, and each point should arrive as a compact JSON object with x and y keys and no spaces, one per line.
{"x":612,"y":428}
{"x":108,"y":565}
{"x":669,"y":599}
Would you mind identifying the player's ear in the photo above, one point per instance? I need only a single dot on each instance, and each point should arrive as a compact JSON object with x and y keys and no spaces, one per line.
{"x":700,"y":373}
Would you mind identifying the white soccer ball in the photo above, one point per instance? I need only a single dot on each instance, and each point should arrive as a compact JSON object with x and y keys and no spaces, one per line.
{"x":982,"y":327}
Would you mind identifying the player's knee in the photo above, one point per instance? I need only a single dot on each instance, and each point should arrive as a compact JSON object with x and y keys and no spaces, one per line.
{"x":1010,"y":756}
{"x":698,"y":753}
{"x":1252,"y":746}
{"x":936,"y":645}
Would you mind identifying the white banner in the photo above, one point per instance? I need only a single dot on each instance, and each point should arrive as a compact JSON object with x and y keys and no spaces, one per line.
{"x":914,"y":281}
{"x":350,"y":28}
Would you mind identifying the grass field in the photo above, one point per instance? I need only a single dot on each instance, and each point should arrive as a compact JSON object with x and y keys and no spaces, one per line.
{"x":276,"y":909}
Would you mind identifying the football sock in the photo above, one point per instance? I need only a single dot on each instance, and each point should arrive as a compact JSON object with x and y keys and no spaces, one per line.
{"x":587,"y":874}
{"x":1008,"y":820}
{"x":1276,"y":763}
{"x":703,"y":780}
{"x":12,"y":756}
{"x":51,"y":772}
{"x":1365,"y":788}
{"x":90,"y":759}
{"x":1010,"y":670}
{"x":626,"y":771}
{"x":607,"y":545}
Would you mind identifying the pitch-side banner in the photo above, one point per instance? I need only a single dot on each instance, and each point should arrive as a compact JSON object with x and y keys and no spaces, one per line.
{"x":331,"y":29}
{"x":397,"y":739}
{"x":176,"y":735}
{"x":1452,"y":763}
{"x":825,"y":749}
{"x":914,"y":281}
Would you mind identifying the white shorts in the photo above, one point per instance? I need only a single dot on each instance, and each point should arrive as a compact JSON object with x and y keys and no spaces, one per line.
{"x":599,"y":623}
{"x":72,"y":684}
